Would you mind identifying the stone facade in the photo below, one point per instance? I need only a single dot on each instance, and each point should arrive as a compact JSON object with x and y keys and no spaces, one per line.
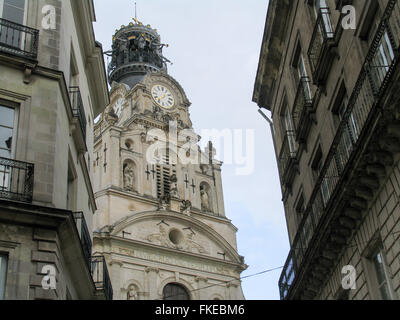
{"x":323,"y":82}
{"x":47,"y":75}
{"x":160,"y":222}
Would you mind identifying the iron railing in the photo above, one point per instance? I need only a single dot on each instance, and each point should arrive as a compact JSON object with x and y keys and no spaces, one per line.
{"x":371,"y":84}
{"x":101,"y":277}
{"x":323,"y":31}
{"x":288,"y":153}
{"x":303,"y":103}
{"x":84,"y":234}
{"x":77,"y":108}
{"x":18,"y":39}
{"x":16,"y":180}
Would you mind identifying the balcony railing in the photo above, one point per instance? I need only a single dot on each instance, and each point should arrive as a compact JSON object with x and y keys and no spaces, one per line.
{"x":100,"y":276}
{"x":84,"y":234}
{"x":319,"y":47}
{"x":18,"y":39}
{"x":288,"y":156}
{"x":16,"y":180}
{"x":303,"y":105}
{"x":371,"y":84}
{"x":77,"y":108}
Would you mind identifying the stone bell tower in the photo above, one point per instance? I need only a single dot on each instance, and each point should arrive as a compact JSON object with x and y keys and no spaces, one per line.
{"x":161,"y":221}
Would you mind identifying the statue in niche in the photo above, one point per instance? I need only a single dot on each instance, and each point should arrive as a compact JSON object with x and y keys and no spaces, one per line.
{"x":205,"y":201}
{"x":174,"y":186}
{"x":132,"y":293}
{"x":129,"y":177}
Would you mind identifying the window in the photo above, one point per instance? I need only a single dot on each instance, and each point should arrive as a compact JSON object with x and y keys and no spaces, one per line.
{"x":71,"y":188}
{"x":73,"y":70}
{"x":3,"y":274}
{"x":13,"y":10}
{"x":317,"y":163}
{"x":381,"y":276}
{"x":7,"y":125}
{"x":350,"y":132}
{"x":174,"y":291}
{"x":300,"y":72}
{"x":290,"y":131}
{"x":382,"y":60}
{"x":300,"y":205}
{"x":321,"y":8}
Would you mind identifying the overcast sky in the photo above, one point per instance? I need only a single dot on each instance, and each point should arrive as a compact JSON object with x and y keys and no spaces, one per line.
{"x":214,"y":47}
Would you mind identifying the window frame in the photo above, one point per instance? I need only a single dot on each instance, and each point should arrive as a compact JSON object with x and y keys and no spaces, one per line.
{"x":386,"y":273}
{"x":25,"y":18}
{"x":4,"y":104}
{"x":327,"y":20}
{"x":371,"y":251}
{"x":4,"y":261}
{"x":299,"y":70}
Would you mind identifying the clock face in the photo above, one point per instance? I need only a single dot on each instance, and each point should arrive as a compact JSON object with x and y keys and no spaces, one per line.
{"x":162,"y":96}
{"x":118,"y":106}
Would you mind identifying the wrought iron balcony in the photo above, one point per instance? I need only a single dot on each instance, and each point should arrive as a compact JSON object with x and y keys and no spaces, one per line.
{"x":288,"y":158}
{"x":84,"y":234}
{"x":372,"y":83}
{"x":16,"y":180}
{"x":77,"y":108}
{"x":320,"y":52}
{"x":303,"y":109}
{"x":101,"y":277}
{"x":18,"y":39}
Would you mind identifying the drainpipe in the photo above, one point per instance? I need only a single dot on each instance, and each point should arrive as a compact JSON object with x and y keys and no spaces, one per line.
{"x":271,"y":124}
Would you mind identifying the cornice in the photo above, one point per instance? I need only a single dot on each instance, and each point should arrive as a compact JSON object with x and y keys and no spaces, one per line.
{"x":117,"y":242}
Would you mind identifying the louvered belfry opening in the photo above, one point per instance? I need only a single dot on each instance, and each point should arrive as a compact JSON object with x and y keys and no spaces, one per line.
{"x":164,"y":171}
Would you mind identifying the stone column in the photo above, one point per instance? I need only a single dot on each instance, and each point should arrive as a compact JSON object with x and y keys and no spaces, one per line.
{"x":152,"y":281}
{"x":115,"y":275}
{"x":232,"y":288}
{"x":202,"y":283}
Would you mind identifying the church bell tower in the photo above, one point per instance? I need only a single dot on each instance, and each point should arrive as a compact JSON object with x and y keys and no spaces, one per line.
{"x":160,"y":221}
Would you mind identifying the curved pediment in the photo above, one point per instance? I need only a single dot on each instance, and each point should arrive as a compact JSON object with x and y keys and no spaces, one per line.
{"x":175,"y":231}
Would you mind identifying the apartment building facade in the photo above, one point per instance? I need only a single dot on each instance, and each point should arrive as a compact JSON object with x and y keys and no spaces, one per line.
{"x":329,"y":74}
{"x":52,"y":85}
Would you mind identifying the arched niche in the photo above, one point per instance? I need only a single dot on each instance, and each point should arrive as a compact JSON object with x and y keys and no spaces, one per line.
{"x":206,"y":197}
{"x":129,"y":175}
